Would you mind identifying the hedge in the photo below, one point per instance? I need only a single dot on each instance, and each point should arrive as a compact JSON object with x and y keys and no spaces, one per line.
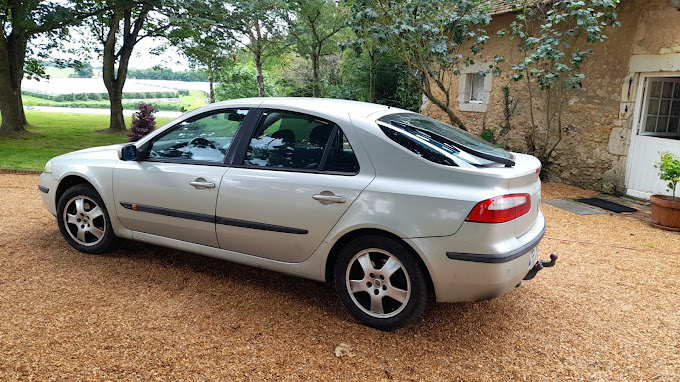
{"x":167,"y":106}
{"x":104,"y":96}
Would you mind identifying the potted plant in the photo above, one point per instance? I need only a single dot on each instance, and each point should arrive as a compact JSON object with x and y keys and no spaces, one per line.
{"x":665,"y":208}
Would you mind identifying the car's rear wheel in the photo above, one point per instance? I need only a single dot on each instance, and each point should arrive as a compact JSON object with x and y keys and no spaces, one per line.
{"x":84,"y":221}
{"x":380,"y":282}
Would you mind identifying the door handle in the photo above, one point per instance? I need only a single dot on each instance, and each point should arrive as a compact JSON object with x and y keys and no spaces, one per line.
{"x":329,"y":198}
{"x":199,"y":184}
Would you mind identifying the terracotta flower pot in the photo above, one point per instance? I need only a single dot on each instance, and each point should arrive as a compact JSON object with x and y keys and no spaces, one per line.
{"x":665,"y":212}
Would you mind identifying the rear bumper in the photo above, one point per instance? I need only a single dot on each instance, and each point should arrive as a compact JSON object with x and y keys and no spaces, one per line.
{"x":473,"y":277}
{"x":502,"y":258}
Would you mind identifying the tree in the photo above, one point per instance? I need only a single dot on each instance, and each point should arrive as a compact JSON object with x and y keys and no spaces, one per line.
{"x":82,"y":70}
{"x":205,"y":40}
{"x":293,"y":75}
{"x":366,"y":40}
{"x":205,"y":50}
{"x":237,"y":80}
{"x":434,"y":38}
{"x":21,"y":21}
{"x":551,"y":37}
{"x":118,"y":27}
{"x":258,"y":26}
{"x":348,"y":77}
{"x":166,"y":74}
{"x":312,"y":24}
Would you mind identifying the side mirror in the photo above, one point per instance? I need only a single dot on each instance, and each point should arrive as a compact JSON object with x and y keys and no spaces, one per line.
{"x":128,"y":152}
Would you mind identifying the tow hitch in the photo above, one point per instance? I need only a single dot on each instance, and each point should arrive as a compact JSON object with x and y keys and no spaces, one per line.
{"x":540,"y":264}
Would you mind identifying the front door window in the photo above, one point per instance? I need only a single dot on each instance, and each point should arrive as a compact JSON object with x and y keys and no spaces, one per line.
{"x":204,"y":138}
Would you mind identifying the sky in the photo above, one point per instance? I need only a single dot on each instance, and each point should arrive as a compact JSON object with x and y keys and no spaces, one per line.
{"x":141,"y":56}
{"x":142,"y":59}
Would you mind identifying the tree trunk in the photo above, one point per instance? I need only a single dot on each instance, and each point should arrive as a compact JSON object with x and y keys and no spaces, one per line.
{"x":446,"y":109}
{"x":114,"y":79}
{"x":452,"y":117}
{"x":117,"y":122}
{"x":11,"y":73}
{"x":257,"y":48}
{"x":12,"y":112}
{"x":531,"y":138}
{"x":21,"y":108}
{"x":371,"y":77}
{"x":260,"y":77}
{"x":211,"y":79}
{"x":316,"y":90}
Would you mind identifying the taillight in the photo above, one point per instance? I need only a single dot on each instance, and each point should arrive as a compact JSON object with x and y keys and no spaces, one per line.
{"x":500,"y":209}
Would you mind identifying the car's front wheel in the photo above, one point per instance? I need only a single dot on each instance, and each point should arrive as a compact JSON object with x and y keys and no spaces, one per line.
{"x":380,"y":282}
{"x":84,"y":221}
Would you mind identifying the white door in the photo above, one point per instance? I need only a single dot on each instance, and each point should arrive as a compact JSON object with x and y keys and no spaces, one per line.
{"x":657,"y":130}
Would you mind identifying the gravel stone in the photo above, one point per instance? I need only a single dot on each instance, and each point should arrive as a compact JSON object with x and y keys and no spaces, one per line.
{"x":609,"y":310}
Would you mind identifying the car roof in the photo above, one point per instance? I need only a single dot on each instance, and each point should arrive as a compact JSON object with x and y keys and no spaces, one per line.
{"x":328,"y":106}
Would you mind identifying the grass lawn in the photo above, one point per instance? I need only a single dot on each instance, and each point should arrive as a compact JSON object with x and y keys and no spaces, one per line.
{"x":59,"y":72}
{"x":29,"y":100}
{"x":194,"y":100}
{"x":55,"y":134}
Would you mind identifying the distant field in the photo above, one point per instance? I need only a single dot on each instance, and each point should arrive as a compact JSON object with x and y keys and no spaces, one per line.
{"x":96,"y":85}
{"x":59,"y":72}
{"x":91,"y":93}
{"x":193,"y":100}
{"x":56,"y":134}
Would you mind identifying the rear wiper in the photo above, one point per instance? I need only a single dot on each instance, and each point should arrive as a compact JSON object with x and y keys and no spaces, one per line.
{"x":444,"y":140}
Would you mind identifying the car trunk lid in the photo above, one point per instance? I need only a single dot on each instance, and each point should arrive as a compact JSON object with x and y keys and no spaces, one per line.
{"x":526,"y":181}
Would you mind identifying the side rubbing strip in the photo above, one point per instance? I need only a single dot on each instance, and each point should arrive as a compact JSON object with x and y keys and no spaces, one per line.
{"x":260,"y":226}
{"x":169,"y":212}
{"x":211,"y":219}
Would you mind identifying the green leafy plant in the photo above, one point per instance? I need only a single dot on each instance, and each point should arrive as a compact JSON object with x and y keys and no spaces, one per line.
{"x":435,"y":39}
{"x":555,"y":39}
{"x":669,"y":170}
{"x":488,"y":135}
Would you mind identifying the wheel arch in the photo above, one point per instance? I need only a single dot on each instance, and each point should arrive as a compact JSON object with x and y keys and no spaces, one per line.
{"x":347,"y":237}
{"x":105,"y":191}
{"x":69,"y":181}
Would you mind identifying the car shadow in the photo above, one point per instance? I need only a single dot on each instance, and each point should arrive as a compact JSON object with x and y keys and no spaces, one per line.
{"x":227,"y":272}
{"x":153,"y":263}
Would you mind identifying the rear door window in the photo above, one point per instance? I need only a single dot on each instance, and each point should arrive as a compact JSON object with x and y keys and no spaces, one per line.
{"x":296,"y":141}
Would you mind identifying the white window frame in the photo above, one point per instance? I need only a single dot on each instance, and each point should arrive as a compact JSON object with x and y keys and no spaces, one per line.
{"x":466,"y":79}
{"x":645,"y":106}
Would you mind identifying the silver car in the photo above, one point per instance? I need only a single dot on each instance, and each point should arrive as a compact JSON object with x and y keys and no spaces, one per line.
{"x":389,"y":206}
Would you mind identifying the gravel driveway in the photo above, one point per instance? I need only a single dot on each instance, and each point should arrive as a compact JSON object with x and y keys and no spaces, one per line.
{"x":609,"y":310}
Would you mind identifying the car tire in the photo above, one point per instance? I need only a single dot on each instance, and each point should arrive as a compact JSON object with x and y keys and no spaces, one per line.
{"x":84,"y":220}
{"x":380,"y":282}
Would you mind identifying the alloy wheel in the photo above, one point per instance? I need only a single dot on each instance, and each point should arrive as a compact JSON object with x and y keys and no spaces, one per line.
{"x":84,"y":221}
{"x":378,"y":283}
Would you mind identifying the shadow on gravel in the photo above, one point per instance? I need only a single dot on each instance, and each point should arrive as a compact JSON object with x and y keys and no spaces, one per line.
{"x":140,"y":264}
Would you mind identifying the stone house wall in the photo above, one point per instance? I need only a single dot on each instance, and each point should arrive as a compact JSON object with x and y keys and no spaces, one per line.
{"x":598,"y":119}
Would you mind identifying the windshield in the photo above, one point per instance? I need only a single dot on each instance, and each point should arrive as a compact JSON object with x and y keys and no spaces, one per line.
{"x":448,"y":140}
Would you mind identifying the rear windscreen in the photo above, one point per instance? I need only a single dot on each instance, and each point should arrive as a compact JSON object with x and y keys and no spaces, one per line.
{"x":441,"y":143}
